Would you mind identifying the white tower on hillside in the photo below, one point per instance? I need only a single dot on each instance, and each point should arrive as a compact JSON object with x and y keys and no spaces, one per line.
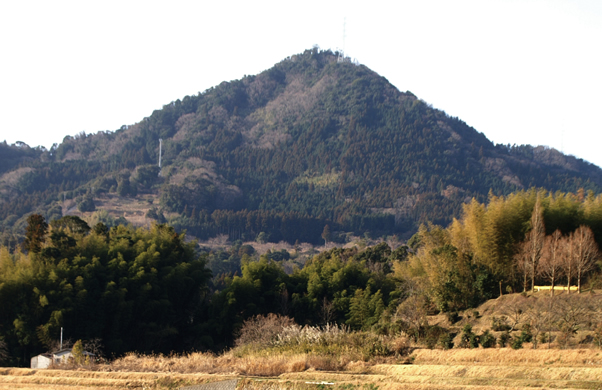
{"x":160,"y":151}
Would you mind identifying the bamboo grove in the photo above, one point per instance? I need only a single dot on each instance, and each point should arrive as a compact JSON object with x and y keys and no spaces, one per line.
{"x":511,"y":244}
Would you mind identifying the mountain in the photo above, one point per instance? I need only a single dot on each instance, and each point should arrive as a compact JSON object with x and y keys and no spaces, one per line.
{"x":313,"y":141}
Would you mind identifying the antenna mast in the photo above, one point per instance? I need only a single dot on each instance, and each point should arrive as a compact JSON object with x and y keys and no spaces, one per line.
{"x":160,"y":151}
{"x":342,"y":53}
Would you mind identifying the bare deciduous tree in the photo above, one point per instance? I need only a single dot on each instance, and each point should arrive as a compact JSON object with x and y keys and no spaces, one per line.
{"x":585,"y":252}
{"x":535,"y":240}
{"x":96,"y":348}
{"x":412,"y":315}
{"x":327,"y":311}
{"x":284,"y":302}
{"x":530,"y":251}
{"x":521,"y":259}
{"x":514,"y":308}
{"x":262,"y":330}
{"x":572,"y":312}
{"x":55,"y":345}
{"x":541,"y":316}
{"x":552,"y":260}
{"x":568,"y":265}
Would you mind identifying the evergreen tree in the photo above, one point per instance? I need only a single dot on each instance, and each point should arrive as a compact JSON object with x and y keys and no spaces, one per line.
{"x":35,"y":233}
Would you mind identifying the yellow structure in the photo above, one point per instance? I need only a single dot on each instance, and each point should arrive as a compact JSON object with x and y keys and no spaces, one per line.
{"x":556,"y":288}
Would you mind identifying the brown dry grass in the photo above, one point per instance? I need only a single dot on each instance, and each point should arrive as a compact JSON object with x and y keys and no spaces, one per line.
{"x":278,"y":364}
{"x":24,"y":378}
{"x":251,"y":365}
{"x":492,"y":369}
{"x":498,"y":371}
{"x":508,"y":356}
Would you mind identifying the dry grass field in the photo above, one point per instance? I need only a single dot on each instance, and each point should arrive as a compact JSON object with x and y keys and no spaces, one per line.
{"x":486,"y":369}
{"x":132,"y":209}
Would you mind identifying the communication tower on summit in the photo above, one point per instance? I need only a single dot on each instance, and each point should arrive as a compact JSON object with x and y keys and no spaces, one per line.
{"x":342,"y":52}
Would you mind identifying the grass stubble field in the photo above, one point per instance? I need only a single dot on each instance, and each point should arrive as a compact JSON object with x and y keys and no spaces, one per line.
{"x":478,"y":369}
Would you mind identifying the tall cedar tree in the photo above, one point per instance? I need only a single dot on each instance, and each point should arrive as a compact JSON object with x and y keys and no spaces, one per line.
{"x":35,"y":233}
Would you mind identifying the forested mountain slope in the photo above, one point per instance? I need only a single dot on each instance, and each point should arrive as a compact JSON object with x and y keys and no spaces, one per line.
{"x":310,"y":142}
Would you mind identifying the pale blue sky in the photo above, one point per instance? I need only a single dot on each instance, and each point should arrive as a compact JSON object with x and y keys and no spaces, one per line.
{"x":518,"y":71}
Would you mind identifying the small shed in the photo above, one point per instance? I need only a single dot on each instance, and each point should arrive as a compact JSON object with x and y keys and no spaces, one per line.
{"x":46,"y":359}
{"x":41,"y":361}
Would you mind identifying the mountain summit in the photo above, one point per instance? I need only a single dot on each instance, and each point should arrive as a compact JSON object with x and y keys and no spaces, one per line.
{"x":313,"y":141}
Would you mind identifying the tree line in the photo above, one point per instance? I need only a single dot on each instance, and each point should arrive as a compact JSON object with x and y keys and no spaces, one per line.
{"x":149,"y":289}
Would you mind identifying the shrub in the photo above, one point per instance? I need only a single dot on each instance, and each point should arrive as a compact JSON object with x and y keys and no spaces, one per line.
{"x":487,"y":340}
{"x":526,"y":336}
{"x":377,"y":348}
{"x":566,"y":334}
{"x":504,"y":339}
{"x":433,"y":334}
{"x":517,"y":343}
{"x":156,"y":214}
{"x":453,"y":317}
{"x":262,"y":330}
{"x":446,"y":341}
{"x":598,"y":336}
{"x":326,"y":341}
{"x":469,"y":338}
{"x":500,"y":324}
{"x":86,"y":204}
{"x":308,"y":335}
{"x":544,"y":338}
{"x":401,"y":346}
{"x":78,"y":352}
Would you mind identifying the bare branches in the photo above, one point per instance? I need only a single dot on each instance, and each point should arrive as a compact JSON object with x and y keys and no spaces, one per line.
{"x":535,"y":240}
{"x":572,"y":312}
{"x":568,"y":262}
{"x":572,"y":256}
{"x":556,"y":318}
{"x":551,"y":264}
{"x":327,"y":311}
{"x":531,"y":250}
{"x":262,"y":330}
{"x":540,"y":316}
{"x":521,"y":258}
{"x":514,"y":309}
{"x":585,"y":251}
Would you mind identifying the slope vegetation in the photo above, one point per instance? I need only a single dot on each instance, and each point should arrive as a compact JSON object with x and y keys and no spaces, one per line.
{"x":309,"y":142}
